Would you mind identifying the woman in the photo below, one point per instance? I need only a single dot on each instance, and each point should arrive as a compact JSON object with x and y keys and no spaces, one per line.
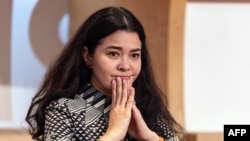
{"x":89,"y":92}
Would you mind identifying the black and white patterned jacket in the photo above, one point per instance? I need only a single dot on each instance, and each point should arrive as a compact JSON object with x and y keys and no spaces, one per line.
{"x":84,"y":118}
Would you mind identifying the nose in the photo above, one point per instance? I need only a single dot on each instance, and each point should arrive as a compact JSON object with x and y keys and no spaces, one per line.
{"x":124,"y":65}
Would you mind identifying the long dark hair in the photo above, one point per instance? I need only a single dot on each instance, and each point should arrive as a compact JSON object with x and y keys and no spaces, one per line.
{"x":69,"y":73}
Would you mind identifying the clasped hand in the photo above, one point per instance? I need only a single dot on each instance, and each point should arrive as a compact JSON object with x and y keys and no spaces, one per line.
{"x":124,"y":116}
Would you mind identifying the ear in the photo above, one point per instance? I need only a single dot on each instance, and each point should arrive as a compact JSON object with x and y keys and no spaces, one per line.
{"x":87,"y":56}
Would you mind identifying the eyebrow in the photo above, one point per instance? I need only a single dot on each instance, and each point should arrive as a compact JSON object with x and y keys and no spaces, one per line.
{"x":119,"y":48}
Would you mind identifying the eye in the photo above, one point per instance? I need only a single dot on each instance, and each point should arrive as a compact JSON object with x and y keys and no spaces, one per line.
{"x":136,"y":55}
{"x":113,"y":54}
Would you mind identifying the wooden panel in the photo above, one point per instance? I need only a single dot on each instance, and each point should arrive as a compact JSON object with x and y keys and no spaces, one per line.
{"x":5,"y":59}
{"x":174,"y":57}
{"x":14,"y":135}
{"x":211,"y":136}
{"x":224,"y":1}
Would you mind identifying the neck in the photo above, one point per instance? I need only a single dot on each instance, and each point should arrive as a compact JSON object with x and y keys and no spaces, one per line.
{"x":107,"y":92}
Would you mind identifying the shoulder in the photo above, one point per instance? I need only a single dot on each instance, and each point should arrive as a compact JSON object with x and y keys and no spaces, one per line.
{"x":67,"y":105}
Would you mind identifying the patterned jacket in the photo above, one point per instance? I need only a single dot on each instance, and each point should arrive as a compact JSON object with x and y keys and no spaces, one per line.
{"x":84,"y":118}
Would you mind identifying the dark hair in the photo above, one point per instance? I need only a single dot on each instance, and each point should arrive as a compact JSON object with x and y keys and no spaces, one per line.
{"x":69,"y":73}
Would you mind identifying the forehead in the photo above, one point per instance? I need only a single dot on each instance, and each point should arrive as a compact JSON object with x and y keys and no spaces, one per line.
{"x":123,"y":39}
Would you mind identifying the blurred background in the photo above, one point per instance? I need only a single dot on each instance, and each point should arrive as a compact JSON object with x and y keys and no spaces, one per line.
{"x":200,"y":51}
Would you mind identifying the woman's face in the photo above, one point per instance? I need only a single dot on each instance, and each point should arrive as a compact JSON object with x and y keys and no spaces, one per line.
{"x":118,"y":55}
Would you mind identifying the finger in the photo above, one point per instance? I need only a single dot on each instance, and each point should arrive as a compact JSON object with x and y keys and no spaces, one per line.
{"x":113,"y":84}
{"x":118,"y":90}
{"x":124,"y":92}
{"x":135,"y":110}
{"x":131,"y":96}
{"x":130,"y":84}
{"x":131,"y":79}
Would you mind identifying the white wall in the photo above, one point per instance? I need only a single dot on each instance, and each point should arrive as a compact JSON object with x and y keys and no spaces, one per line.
{"x":217,"y":65}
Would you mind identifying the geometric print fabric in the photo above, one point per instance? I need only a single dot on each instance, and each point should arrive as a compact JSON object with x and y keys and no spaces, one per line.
{"x":84,"y":118}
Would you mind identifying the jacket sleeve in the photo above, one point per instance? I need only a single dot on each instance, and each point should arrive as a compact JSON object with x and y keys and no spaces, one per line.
{"x":174,"y":138}
{"x":165,"y":131}
{"x":58,"y":124}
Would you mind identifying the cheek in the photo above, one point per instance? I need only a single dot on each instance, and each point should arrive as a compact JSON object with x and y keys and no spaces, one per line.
{"x":137,"y":68}
{"x":103,"y":67}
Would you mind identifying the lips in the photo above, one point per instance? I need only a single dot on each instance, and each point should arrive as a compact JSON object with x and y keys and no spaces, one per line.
{"x":124,"y":77}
